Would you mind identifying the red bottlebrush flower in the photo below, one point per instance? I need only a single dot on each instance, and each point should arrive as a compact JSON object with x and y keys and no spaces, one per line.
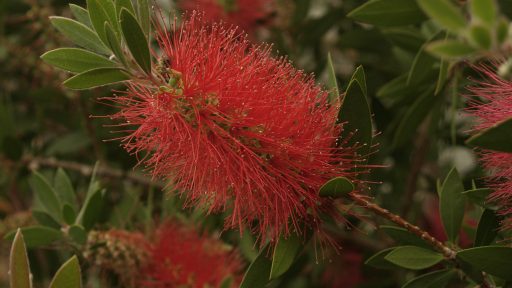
{"x":494,"y":104}
{"x":234,"y":128}
{"x":180,"y":257}
{"x":245,"y":14}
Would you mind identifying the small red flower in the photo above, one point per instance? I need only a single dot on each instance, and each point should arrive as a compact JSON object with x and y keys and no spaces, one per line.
{"x":245,"y":14}
{"x":180,"y":257}
{"x":235,"y":129}
{"x":492,"y":105}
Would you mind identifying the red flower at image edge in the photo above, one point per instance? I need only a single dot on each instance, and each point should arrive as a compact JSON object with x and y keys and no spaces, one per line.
{"x":180,"y":257}
{"x":242,"y":13}
{"x":235,"y":129}
{"x":493,"y":105}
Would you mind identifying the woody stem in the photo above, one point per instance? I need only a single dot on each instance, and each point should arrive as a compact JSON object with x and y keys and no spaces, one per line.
{"x":438,"y":245}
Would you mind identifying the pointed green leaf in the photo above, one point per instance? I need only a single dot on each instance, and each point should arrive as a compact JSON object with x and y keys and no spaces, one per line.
{"x":481,"y":36}
{"x":487,"y":228}
{"x":495,"y":138}
{"x":124,"y":4}
{"x":76,"y":60}
{"x":98,"y":17}
{"x":436,"y":279}
{"x":78,"y":234}
{"x":356,"y":116}
{"x":81,"y":15}
{"x":96,"y":77}
{"x":45,"y":219}
{"x":19,"y":269}
{"x":452,"y":204}
{"x":143,"y":14}
{"x":332,"y":83}
{"x":285,"y":253}
{"x":79,"y":34}
{"x":484,"y":10}
{"x":388,"y":13}
{"x":115,"y":44}
{"x":68,"y":275}
{"x":69,"y":214}
{"x":91,"y":210}
{"x":64,"y":188}
{"x":136,"y":40}
{"x":47,"y":195}
{"x":336,"y":187}
{"x":445,"y":13}
{"x":36,"y":236}
{"x":478,"y":195}
{"x":422,"y":68}
{"x":257,"y":275}
{"x":450,"y":49}
{"x":378,"y":260}
{"x":443,"y":75}
{"x":412,"y":257}
{"x":495,"y":260}
{"x":360,"y":77}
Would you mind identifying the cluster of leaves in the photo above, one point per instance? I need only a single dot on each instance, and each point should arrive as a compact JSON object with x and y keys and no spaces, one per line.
{"x":414,"y":54}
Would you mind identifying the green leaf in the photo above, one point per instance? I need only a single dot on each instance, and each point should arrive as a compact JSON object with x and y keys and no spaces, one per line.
{"x":64,"y":188}
{"x":78,"y":234}
{"x":143,"y":14}
{"x":436,"y":279}
{"x":502,"y":31}
{"x":395,"y":91}
{"x":96,"y":77}
{"x":81,"y":15}
{"x":484,"y":10}
{"x":124,"y":4}
{"x":332,"y":82}
{"x":114,"y":44}
{"x":404,"y":237}
{"x":336,"y":187}
{"x":68,"y":275}
{"x":257,"y":275}
{"x":69,"y":214}
{"x":443,"y":75}
{"x":481,"y":36}
{"x":136,"y":40}
{"x":79,"y":34}
{"x":285,"y":253}
{"x":388,"y":13}
{"x":19,"y":269}
{"x":444,"y":13}
{"x":415,"y":114}
{"x":407,"y":38}
{"x":356,"y":115}
{"x":487,"y":228}
{"x":36,"y":236}
{"x":47,"y":195}
{"x":450,"y":49}
{"x":378,"y":260}
{"x":452,"y":204}
{"x":496,"y":137}
{"x":99,"y":16}
{"x":478,"y":195}
{"x":91,"y":210}
{"x":422,"y":68}
{"x":495,"y":260}
{"x":76,"y":60}
{"x":412,"y":257}
{"x":45,"y":219}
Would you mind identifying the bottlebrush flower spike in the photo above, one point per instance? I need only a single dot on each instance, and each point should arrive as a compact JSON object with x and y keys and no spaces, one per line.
{"x":245,"y":14}
{"x":494,"y":105}
{"x":180,"y":257}
{"x":235,"y":129}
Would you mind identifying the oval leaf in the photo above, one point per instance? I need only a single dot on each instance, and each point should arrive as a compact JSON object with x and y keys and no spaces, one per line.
{"x":412,"y":257}
{"x":388,"y":13}
{"x":495,"y":260}
{"x":68,"y":275}
{"x":98,"y":17}
{"x":96,"y":77}
{"x":78,"y":234}
{"x":484,"y":10}
{"x":79,"y":34}
{"x":136,"y":40}
{"x":444,"y":13}
{"x":285,"y":253}
{"x":257,"y":275}
{"x":436,"y":279}
{"x":19,"y":269}
{"x":36,"y":236}
{"x":495,"y":138}
{"x":76,"y":60}
{"x":450,"y":49}
{"x":481,"y":36}
{"x":404,"y":237}
{"x":80,"y":14}
{"x":64,"y":188}
{"x":46,"y":195}
{"x":336,"y":187}
{"x":378,"y":260}
{"x":487,"y":228}
{"x":452,"y":204}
